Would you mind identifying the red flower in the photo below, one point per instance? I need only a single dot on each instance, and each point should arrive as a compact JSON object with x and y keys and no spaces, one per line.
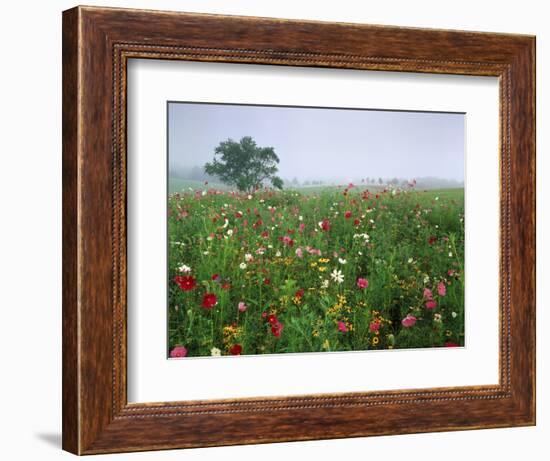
{"x":185,"y":282}
{"x":216,"y":277}
{"x":277,"y":329}
{"x":347,"y":214}
{"x":276,"y":326}
{"x":356,"y":222}
{"x":265,"y":234}
{"x":432,"y":240}
{"x":267,"y":282}
{"x":299,"y":294}
{"x":272,"y":318}
{"x":209,"y":300}
{"x":226,"y":286}
{"x":451,"y":344}
{"x":325,"y":225}
{"x":236,"y":349}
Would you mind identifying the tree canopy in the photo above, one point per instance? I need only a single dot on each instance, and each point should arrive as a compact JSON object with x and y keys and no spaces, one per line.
{"x":244,"y":164}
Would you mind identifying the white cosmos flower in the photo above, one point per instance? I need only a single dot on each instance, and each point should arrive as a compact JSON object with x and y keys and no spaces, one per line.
{"x":278,"y":254}
{"x":337,"y":276}
{"x":410,"y":260}
{"x":454,"y":315}
{"x":229,"y":232}
{"x":450,"y":254}
{"x":342,"y":261}
{"x":226,"y":223}
{"x":184,"y":268}
{"x":249,"y":197}
{"x":300,"y":218}
{"x":242,"y":266}
{"x":215,"y":352}
{"x":325,"y":283}
{"x":248,"y":257}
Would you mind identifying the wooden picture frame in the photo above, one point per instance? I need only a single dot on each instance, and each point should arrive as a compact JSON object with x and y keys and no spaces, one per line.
{"x":97,"y":43}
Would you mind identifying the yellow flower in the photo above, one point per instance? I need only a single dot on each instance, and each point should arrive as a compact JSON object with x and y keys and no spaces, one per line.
{"x":375,"y":341}
{"x":326,"y":345}
{"x":324,"y":260}
{"x":322,"y":268}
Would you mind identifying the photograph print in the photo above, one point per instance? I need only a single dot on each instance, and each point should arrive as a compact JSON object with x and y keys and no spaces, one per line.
{"x":313,"y":229}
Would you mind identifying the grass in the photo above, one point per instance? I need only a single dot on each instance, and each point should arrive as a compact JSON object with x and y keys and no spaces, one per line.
{"x":298,"y":264}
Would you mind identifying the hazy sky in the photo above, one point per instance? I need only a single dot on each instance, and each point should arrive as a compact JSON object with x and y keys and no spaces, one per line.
{"x":325,"y":143}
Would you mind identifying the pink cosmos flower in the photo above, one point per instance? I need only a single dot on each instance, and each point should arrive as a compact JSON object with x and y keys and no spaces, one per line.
{"x":342,"y":327}
{"x":431,"y":304}
{"x":362,"y":283}
{"x":441,"y":289}
{"x":178,"y":352}
{"x":408,"y":321}
{"x":301,"y":227}
{"x":242,"y":306}
{"x":299,"y":253}
{"x":287,"y":241}
{"x":313,"y":251}
{"x":428,"y":293}
{"x":374,"y":326}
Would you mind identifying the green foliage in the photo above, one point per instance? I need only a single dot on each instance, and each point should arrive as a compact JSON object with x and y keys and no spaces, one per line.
{"x":268,"y":250}
{"x":244,"y":164}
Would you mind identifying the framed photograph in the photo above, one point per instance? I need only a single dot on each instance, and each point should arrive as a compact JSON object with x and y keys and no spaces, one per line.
{"x":282,"y":230}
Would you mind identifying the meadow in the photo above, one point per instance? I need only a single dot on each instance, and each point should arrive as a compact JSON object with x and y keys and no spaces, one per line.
{"x":329,"y":269}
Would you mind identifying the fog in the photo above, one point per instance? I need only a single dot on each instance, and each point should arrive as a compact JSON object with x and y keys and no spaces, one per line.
{"x":323,"y":144}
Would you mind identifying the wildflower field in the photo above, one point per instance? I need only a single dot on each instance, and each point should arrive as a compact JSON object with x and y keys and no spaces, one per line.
{"x":314,"y":270}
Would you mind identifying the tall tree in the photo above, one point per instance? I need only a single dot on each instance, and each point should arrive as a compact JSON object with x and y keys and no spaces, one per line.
{"x":244,"y":164}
